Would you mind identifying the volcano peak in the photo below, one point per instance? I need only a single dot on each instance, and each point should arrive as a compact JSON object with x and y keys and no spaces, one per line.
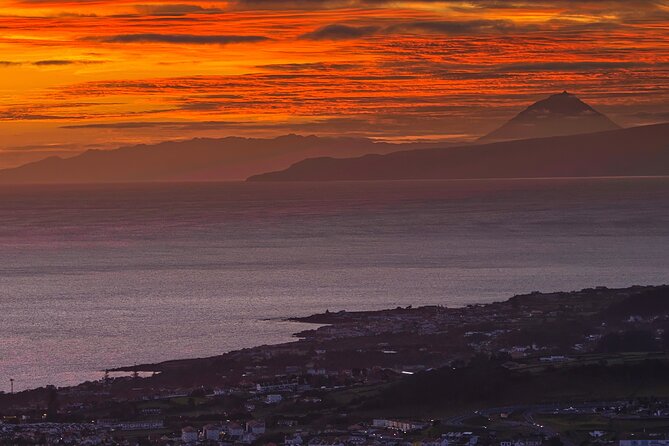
{"x":557,"y":115}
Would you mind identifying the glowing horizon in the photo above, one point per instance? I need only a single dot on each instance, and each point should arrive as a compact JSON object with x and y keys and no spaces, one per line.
{"x":100,"y":73}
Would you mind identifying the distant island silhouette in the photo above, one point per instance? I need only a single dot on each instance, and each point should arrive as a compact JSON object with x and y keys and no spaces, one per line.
{"x":199,"y":159}
{"x":560,"y":136}
{"x":637,"y":151}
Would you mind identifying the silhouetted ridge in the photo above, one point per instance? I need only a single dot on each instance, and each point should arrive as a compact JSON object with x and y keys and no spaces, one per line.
{"x":199,"y":159}
{"x":638,"y":151}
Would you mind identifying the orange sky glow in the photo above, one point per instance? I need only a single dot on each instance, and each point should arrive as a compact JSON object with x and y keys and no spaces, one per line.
{"x":101,"y":74}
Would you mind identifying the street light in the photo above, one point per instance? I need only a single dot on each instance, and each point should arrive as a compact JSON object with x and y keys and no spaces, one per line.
{"x":11,"y":383}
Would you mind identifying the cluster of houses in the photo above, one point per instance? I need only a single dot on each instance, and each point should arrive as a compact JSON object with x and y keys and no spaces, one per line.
{"x":644,"y":442}
{"x":229,"y":432}
{"x":265,"y":380}
{"x":391,"y":433}
{"x":400,"y":425}
{"x":382,"y":433}
{"x":607,"y":438}
{"x":142,"y":425}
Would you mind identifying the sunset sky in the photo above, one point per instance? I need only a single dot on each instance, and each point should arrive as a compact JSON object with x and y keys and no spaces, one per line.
{"x":97,"y":73}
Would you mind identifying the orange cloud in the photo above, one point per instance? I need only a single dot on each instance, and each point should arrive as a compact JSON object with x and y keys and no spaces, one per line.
{"x":111,"y":72}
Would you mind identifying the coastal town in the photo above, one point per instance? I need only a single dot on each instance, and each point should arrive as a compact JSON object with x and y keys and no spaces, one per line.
{"x":570,"y":368}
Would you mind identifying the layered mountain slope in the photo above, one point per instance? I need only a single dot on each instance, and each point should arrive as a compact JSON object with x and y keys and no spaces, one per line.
{"x":200,"y":159}
{"x":638,"y":151}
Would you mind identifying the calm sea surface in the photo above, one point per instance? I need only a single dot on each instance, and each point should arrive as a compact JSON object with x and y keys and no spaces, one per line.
{"x":99,"y":276}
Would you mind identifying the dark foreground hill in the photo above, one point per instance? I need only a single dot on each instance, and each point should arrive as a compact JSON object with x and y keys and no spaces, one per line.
{"x":200,"y":159}
{"x":638,"y":151}
{"x":489,"y":384}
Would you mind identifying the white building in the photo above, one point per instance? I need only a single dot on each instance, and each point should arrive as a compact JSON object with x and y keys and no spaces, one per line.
{"x":188,"y":435}
{"x":277,"y":387}
{"x":212,"y":432}
{"x":324,"y":442}
{"x":398,"y":425}
{"x":256,"y":427}
{"x":248,"y":438}
{"x":234,"y":429}
{"x":273,"y":399}
{"x":139,"y":425}
{"x":522,"y":442}
{"x":294,"y":441}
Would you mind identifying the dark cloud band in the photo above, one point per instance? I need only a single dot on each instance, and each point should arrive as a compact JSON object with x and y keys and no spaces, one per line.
{"x":191,"y":39}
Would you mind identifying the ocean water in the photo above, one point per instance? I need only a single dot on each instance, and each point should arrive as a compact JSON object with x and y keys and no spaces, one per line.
{"x":93,"y":277}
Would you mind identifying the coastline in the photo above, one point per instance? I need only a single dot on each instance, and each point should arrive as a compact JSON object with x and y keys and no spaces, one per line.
{"x":403,"y":339}
{"x":362,"y":374}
